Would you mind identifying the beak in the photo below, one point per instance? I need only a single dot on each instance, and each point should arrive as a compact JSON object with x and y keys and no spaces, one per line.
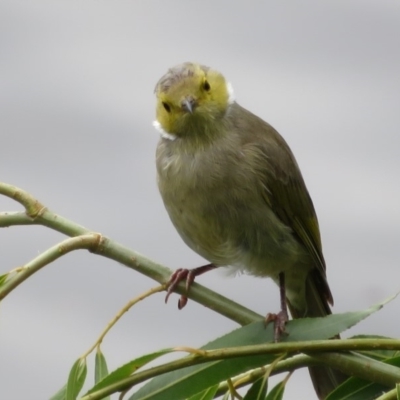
{"x":188,"y":104}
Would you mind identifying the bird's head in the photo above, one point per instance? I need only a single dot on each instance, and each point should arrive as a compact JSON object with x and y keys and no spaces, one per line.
{"x":191,"y":98}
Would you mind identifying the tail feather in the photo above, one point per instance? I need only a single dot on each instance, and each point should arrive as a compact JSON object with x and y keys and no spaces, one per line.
{"x":324,"y":379}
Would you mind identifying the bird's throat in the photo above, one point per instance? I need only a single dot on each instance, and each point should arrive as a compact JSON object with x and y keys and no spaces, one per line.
{"x":197,"y":132}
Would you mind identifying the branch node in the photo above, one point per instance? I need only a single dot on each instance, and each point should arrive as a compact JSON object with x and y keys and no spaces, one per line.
{"x":98,"y":244}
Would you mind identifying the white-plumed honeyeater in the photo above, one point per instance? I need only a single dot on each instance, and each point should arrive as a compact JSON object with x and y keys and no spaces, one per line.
{"x":235,"y":194}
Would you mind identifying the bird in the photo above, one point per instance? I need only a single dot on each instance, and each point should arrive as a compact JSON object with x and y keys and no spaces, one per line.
{"x":235,"y":194}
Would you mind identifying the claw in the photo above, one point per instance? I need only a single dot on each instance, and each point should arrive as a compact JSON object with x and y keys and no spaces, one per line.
{"x":185,"y":274}
{"x":178,"y":276}
{"x":279,"y":321}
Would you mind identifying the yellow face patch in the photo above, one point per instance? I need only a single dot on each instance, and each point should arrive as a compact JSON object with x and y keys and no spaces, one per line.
{"x":189,"y":91}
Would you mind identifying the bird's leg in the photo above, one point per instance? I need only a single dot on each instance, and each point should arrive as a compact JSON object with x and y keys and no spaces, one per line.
{"x":282,"y":317}
{"x":188,"y":274}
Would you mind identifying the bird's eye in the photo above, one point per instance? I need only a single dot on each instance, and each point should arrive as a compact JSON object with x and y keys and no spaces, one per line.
{"x":166,"y":106}
{"x":206,"y":86}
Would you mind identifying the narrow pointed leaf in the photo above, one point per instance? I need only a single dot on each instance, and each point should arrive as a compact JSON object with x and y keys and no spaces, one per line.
{"x":277,"y":392}
{"x":128,"y":369}
{"x":60,"y":395}
{"x":329,"y":326}
{"x":207,"y":394}
{"x":398,"y":391}
{"x":100,"y":368}
{"x":180,"y":384}
{"x":359,"y":389}
{"x":76,"y":379}
{"x":258,"y":390}
{"x":377,"y":354}
{"x":3,"y":278}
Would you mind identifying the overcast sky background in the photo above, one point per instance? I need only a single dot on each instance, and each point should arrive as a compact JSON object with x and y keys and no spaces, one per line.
{"x":76,"y":107}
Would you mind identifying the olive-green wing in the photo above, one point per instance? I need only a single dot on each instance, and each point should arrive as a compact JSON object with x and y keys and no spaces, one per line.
{"x":283,"y":187}
{"x":287,"y":195}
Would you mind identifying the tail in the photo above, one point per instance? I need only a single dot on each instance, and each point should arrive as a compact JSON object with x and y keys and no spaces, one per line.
{"x":317,"y":293}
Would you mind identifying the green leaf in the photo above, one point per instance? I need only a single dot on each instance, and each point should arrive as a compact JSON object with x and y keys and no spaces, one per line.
{"x":258,"y":390}
{"x":3,"y":278}
{"x":184,"y":383}
{"x":76,"y":379}
{"x":359,"y":389}
{"x":128,"y":369}
{"x":100,"y":367}
{"x":277,"y":392}
{"x":60,"y":395}
{"x":398,"y":391}
{"x":377,"y":354}
{"x":329,"y":326}
{"x":207,"y":394}
{"x":180,"y":384}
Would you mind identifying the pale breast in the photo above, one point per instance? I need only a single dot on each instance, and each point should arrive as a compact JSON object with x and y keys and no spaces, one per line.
{"x":215,"y":202}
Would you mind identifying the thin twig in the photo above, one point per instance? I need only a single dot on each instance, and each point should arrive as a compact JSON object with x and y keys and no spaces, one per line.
{"x":120,"y":313}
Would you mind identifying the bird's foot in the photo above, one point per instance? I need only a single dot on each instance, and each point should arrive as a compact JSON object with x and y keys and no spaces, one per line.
{"x":279,"y":320}
{"x":185,"y":274}
{"x":282,"y":317}
{"x":178,"y":276}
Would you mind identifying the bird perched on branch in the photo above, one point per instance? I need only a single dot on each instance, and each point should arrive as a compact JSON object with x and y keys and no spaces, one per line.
{"x":236,"y":196}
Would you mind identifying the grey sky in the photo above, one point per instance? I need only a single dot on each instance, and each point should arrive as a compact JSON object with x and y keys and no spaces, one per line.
{"x":76,"y":107}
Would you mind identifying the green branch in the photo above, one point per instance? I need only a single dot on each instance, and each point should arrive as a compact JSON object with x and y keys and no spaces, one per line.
{"x":37,"y":214}
{"x":19,"y":275}
{"x":81,"y":238}
{"x":354,"y":364}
